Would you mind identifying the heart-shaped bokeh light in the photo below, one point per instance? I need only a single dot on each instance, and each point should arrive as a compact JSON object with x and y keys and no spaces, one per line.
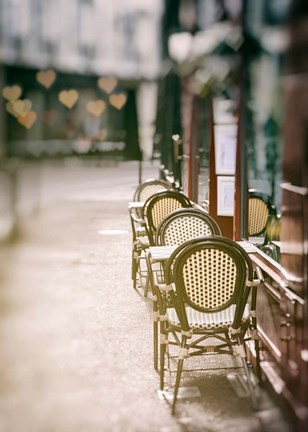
{"x":11,"y":93}
{"x":46,"y":78}
{"x":118,"y":100}
{"x":19,"y":107}
{"x":108,"y":84}
{"x":28,"y":119}
{"x":68,"y":98}
{"x":96,"y":107}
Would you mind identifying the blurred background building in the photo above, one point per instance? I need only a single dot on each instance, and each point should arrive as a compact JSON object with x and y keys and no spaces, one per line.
{"x":138,"y":44}
{"x":76,"y":43}
{"x":121,"y":78}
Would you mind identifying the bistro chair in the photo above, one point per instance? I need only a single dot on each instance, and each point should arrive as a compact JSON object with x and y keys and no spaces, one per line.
{"x":209,"y":280}
{"x":185,"y":224}
{"x":135,"y":208}
{"x":178,"y":227}
{"x":156,"y":208}
{"x":149,"y":188}
{"x":159,"y":206}
{"x":260,"y":213}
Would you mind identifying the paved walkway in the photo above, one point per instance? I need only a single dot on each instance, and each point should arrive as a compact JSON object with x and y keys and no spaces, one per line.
{"x":75,"y":338}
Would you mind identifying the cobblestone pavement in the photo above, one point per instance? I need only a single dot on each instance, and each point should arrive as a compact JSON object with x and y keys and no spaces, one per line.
{"x":76,"y":338}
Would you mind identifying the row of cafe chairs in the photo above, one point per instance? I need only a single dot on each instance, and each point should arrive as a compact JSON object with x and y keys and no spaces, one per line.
{"x":160,"y":200}
{"x":136,"y":208}
{"x":204,"y":290}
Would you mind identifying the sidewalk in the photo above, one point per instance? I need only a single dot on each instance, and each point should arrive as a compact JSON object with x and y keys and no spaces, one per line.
{"x":76,"y":338}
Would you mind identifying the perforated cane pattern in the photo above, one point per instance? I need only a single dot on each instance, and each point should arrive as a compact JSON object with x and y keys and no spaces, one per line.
{"x":209,"y":277}
{"x":185,"y":228}
{"x":257,"y":216}
{"x":150,"y":190}
{"x":164,"y":207}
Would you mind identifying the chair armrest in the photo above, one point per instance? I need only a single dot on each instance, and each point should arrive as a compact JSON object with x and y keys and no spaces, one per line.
{"x":162,"y":287}
{"x":158,"y":285}
{"x":259,"y":274}
{"x":136,"y":219}
{"x":258,"y":281}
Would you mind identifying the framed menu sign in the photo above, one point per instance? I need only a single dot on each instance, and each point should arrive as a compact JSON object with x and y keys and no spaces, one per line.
{"x":225,"y":138}
{"x":225,"y":195}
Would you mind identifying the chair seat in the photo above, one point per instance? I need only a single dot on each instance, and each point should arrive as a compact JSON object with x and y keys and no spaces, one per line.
{"x":200,"y":320}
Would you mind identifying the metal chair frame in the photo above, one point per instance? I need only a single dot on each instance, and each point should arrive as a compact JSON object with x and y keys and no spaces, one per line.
{"x":210,"y":277}
{"x":154,"y":210}
{"x":139,"y":238}
{"x":175,"y":229}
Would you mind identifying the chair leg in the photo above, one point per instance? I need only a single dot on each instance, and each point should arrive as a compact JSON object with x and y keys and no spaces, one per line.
{"x":255,"y":333}
{"x":249,"y":384}
{"x":178,"y":375}
{"x":140,"y":269}
{"x":155,"y":335}
{"x":134,"y":268}
{"x":162,"y":366}
{"x":177,"y":384}
{"x":258,"y":363}
{"x":146,"y":287}
{"x":246,"y":370}
{"x":163,"y":336}
{"x":149,"y":276}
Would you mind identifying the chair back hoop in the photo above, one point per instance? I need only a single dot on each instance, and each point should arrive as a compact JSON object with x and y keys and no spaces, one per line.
{"x":260,"y":208}
{"x":210,"y":275}
{"x":185,"y":224}
{"x":149,"y":188}
{"x":160,"y":205}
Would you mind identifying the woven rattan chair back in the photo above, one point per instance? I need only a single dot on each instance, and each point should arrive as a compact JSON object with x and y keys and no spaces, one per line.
{"x":185,"y":224}
{"x":259,"y":210}
{"x":160,"y":205}
{"x":210,"y":274}
{"x":149,"y":188}
{"x":142,"y":194}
